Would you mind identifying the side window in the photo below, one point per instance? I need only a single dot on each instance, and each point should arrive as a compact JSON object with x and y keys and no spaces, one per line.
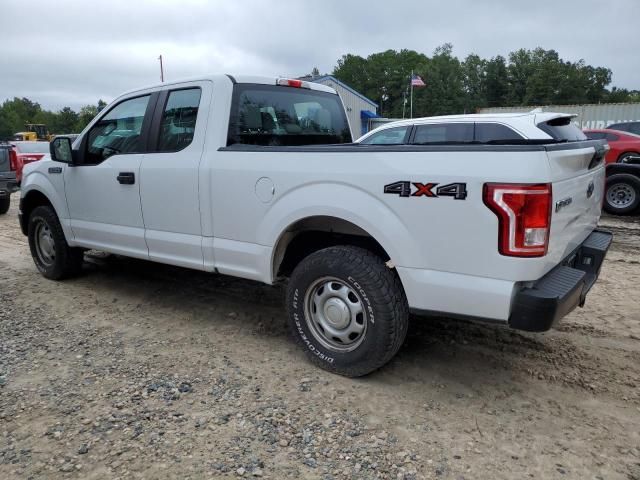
{"x":389,"y":136}
{"x":494,"y":132}
{"x":596,"y":135}
{"x":179,"y":120}
{"x":444,"y":133}
{"x":118,"y":131}
{"x":611,"y":137}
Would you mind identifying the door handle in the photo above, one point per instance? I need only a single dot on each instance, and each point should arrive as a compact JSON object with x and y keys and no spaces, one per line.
{"x":126,"y":178}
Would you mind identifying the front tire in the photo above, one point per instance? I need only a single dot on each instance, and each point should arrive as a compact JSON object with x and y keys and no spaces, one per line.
{"x":5,"y":203}
{"x":51,"y":253}
{"x":347,"y":310}
{"x":622,"y":194}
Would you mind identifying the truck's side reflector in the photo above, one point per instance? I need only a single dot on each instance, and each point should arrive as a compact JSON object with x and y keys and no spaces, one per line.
{"x":292,"y":82}
{"x":524,"y":217}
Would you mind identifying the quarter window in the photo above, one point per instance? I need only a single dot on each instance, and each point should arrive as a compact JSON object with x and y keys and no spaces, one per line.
{"x":118,"y":131}
{"x":494,"y":132}
{"x":444,"y":133}
{"x":612,"y":137}
{"x":179,"y":120}
{"x":596,"y":135}
{"x":388,"y":136}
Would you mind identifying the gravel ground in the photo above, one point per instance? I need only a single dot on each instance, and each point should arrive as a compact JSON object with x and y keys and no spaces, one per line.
{"x":137,"y":370}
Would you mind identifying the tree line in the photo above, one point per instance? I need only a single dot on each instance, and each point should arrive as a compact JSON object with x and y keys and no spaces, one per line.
{"x":15,"y":113}
{"x":526,"y":77}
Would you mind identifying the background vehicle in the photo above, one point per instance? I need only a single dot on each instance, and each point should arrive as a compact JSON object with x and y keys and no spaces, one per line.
{"x":496,"y":128}
{"x":622,"y":195}
{"x":630,"y":127}
{"x":257,"y":177}
{"x":623,"y":147}
{"x":9,"y":165}
{"x":30,"y":152}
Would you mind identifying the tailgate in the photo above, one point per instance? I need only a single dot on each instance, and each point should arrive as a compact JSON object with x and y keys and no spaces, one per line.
{"x":4,"y":160}
{"x":578,"y":177}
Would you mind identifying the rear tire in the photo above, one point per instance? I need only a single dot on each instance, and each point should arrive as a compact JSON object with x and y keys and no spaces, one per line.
{"x":5,"y":203}
{"x":51,"y":253}
{"x":347,"y":310}
{"x":624,"y":158}
{"x":622,"y":194}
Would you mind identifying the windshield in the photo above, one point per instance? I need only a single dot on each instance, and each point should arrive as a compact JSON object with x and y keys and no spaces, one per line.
{"x":33,"y":147}
{"x":286,"y":116}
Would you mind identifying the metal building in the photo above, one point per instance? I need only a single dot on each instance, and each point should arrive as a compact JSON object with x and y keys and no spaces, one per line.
{"x":594,"y":115}
{"x":359,"y":108}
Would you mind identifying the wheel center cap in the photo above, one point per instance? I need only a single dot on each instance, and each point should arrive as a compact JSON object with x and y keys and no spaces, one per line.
{"x":337,"y":313}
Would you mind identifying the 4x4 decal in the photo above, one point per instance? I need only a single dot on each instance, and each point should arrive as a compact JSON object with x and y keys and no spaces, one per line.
{"x":416,"y":189}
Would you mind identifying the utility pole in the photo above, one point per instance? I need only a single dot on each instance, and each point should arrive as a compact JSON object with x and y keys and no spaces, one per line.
{"x":161,"y":69}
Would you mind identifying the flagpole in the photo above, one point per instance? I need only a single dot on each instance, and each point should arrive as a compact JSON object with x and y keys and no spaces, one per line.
{"x":411,"y":107}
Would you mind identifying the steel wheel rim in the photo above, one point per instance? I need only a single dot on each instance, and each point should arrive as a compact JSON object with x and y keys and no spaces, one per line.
{"x":621,"y":195}
{"x":45,"y":244}
{"x":335,"y":314}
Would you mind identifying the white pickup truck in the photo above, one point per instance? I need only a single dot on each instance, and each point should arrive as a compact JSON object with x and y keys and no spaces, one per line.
{"x":257,"y":178}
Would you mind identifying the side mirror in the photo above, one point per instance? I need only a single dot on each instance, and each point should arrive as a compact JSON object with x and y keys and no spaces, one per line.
{"x":60,"y":149}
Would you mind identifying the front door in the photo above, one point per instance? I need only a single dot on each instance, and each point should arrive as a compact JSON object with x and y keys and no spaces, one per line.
{"x":103,"y":188}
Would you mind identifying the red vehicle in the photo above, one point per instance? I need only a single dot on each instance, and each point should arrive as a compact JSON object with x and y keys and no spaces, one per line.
{"x":624,"y":146}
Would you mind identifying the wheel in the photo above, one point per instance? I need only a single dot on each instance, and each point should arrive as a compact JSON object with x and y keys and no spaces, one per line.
{"x":622,"y":194}
{"x":626,"y":157}
{"x":4,"y":205}
{"x":51,"y":253}
{"x":347,"y":310}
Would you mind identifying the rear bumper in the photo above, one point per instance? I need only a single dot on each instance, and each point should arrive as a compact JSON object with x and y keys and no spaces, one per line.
{"x":8,"y":184}
{"x":540,"y":306}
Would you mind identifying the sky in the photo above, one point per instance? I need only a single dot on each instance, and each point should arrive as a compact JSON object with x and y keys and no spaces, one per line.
{"x":72,"y":53}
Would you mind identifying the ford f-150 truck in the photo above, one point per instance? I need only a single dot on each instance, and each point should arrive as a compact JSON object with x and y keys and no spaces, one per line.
{"x":258,"y":178}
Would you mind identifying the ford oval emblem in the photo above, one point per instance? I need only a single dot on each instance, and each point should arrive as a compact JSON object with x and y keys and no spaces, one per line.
{"x":590,"y":189}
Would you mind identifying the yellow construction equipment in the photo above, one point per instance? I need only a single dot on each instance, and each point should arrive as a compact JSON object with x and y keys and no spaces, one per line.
{"x":34,"y":132}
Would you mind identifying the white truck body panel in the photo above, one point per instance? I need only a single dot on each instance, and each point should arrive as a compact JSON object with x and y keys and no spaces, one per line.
{"x":222,"y":209}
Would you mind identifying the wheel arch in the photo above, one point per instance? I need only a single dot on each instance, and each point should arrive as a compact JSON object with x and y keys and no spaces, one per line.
{"x":35,"y":196}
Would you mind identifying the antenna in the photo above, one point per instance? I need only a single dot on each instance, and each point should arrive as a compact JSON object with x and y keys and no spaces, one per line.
{"x":161,"y":69}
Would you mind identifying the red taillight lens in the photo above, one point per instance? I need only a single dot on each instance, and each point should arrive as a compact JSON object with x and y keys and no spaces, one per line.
{"x":13,"y":160}
{"x":524,"y":217}
{"x":31,"y":157}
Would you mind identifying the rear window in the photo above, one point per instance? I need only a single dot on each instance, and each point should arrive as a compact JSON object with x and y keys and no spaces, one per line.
{"x":286,"y":116}
{"x":562,"y":130}
{"x":443,"y":133}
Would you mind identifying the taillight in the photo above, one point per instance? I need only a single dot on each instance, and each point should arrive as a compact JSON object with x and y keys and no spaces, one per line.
{"x":292,"y":82}
{"x":32,"y":157}
{"x":13,"y":160}
{"x":524,"y":217}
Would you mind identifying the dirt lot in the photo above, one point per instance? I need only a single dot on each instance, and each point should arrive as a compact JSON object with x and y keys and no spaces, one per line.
{"x":136,"y":370}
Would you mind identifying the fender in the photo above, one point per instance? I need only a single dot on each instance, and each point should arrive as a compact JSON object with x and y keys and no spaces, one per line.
{"x":343,"y":201}
{"x":35,"y":180}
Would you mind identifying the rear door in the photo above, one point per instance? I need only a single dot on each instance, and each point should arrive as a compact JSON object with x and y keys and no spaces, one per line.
{"x":169,"y":189}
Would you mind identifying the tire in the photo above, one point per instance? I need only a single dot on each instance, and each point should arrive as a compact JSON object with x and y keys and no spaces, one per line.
{"x":4,"y":205}
{"x":624,"y":157}
{"x":325,"y":292}
{"x":622,"y":194}
{"x":53,"y":257}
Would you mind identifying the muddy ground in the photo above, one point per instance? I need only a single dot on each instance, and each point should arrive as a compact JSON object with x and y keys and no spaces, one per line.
{"x":137,"y":370}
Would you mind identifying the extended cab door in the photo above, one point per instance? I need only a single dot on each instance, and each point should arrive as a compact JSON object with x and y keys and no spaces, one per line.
{"x":169,"y":188}
{"x":103,"y":187}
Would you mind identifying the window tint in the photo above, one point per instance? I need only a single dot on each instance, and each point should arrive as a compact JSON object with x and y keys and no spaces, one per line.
{"x":494,"y":132}
{"x":389,"y":136}
{"x":118,"y":131}
{"x":596,"y":135}
{"x":179,"y":120}
{"x":612,"y":137}
{"x":562,"y":130}
{"x":444,"y":133}
{"x":275,"y":115}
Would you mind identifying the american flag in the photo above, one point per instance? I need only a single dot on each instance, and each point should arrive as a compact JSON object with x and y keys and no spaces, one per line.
{"x":416,"y":81}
